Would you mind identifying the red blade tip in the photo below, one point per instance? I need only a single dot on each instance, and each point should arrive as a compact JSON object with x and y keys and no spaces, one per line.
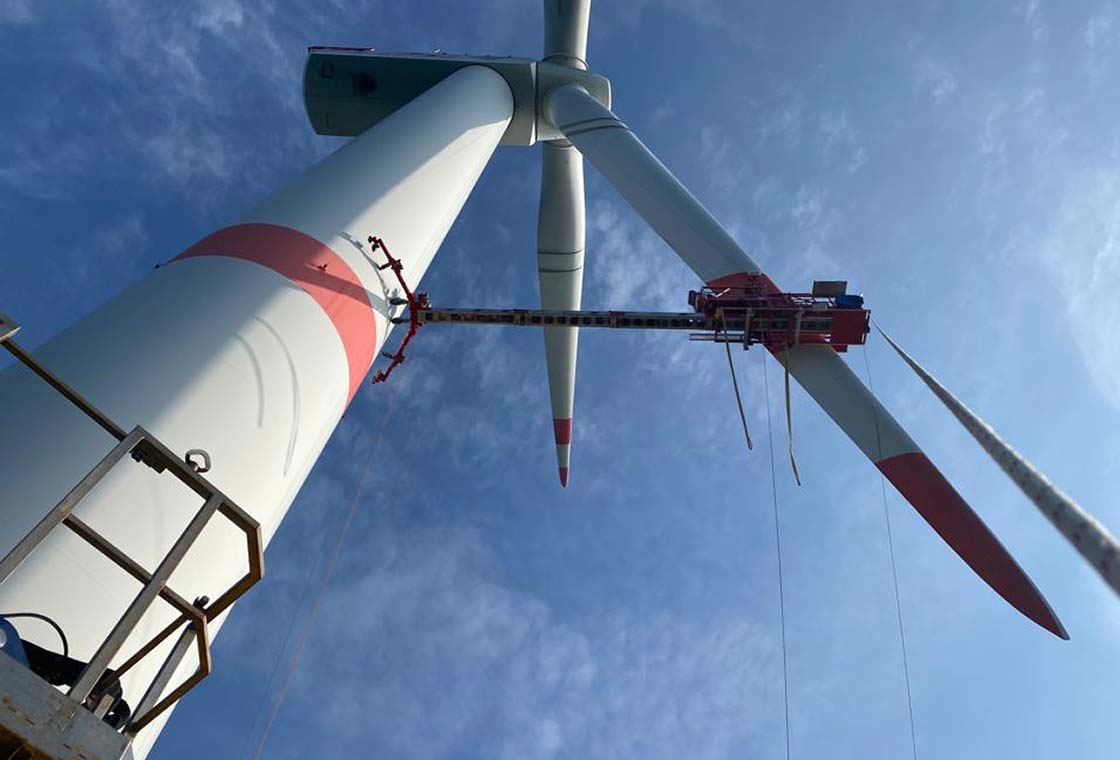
{"x":564,"y":477}
{"x":927,"y":490}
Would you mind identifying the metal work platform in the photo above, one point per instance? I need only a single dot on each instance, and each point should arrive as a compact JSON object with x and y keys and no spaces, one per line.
{"x":91,"y":720}
{"x":749,"y":314}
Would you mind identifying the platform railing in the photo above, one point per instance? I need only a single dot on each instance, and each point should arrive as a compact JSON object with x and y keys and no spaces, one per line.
{"x":142,"y":447}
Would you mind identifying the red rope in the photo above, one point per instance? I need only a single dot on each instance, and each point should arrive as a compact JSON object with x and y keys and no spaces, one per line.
{"x":326,"y":578}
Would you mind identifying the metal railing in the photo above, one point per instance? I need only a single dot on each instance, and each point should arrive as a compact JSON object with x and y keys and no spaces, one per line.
{"x":142,"y":447}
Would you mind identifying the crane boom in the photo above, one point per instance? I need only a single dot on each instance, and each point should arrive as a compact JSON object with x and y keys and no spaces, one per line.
{"x":736,"y":315}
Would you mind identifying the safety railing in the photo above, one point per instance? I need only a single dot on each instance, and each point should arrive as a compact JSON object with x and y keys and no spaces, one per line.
{"x":140,"y":446}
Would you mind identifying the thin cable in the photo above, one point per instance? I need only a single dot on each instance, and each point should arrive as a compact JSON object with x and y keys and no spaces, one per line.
{"x":37,"y":616}
{"x":894,"y":567}
{"x":326,"y":578}
{"x":778,"y":543}
{"x":247,"y":744}
{"x":735,"y":384}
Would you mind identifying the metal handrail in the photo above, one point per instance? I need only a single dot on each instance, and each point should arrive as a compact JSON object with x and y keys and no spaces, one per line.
{"x":141,"y":446}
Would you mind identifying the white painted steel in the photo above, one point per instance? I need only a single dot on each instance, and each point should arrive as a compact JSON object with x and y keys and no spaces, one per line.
{"x":408,"y":194}
{"x":336,"y":107}
{"x":659,"y":197}
{"x":1088,"y":536}
{"x":229,"y":356}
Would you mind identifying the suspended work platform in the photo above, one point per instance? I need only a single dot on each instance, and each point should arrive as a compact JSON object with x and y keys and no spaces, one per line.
{"x":752,"y":313}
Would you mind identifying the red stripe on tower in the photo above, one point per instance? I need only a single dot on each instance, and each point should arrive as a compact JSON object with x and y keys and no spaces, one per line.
{"x":942,"y":507}
{"x":321,"y":272}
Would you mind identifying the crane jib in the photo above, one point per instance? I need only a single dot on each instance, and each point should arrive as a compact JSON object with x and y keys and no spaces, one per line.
{"x":735,"y":315}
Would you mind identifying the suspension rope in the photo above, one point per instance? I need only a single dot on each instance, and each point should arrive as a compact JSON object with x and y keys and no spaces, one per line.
{"x":335,"y":552}
{"x":778,"y":544}
{"x":894,"y":567}
{"x":789,"y":420}
{"x":246,"y":746}
{"x":735,"y":385}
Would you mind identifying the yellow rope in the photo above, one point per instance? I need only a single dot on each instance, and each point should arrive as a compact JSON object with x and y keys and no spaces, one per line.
{"x":789,"y":420}
{"x":735,"y":384}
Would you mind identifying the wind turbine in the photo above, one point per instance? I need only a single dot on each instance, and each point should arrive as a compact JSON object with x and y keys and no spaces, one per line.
{"x":239,"y":356}
{"x":572,"y":117}
{"x":587,"y":125}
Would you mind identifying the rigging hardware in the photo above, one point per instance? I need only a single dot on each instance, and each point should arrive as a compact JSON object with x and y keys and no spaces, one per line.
{"x":414,"y":301}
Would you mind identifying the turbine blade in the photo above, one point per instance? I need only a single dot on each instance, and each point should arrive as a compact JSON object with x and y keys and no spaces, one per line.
{"x":646,"y":184}
{"x":560,"y":242}
{"x":565,"y":32}
{"x":833,"y":385}
{"x":671,"y":210}
{"x":1083,"y":531}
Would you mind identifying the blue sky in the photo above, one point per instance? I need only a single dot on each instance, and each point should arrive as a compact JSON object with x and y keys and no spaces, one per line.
{"x":959,"y":163}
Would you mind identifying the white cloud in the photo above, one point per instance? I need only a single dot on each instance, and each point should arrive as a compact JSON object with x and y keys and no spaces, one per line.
{"x":818,"y":222}
{"x":629,"y":267}
{"x":722,"y":159}
{"x":37,"y":167}
{"x":1032,"y":17}
{"x":117,"y":255}
{"x":1100,"y":36}
{"x":808,"y":209}
{"x":785,"y":122}
{"x":182,"y":93}
{"x":838,"y":138}
{"x":1083,"y":253}
{"x":706,"y":13}
{"x":1101,"y":28}
{"x":936,"y":78}
{"x":993,"y":144}
{"x":16,"y":13}
{"x":664,"y":111}
{"x":449,"y":651}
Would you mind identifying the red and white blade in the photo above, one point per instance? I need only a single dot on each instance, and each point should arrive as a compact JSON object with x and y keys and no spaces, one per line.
{"x":560,"y":243}
{"x":705,"y":246}
{"x":833,"y":385}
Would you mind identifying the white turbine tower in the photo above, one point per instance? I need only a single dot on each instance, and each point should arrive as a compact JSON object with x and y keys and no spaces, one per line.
{"x":251,"y":343}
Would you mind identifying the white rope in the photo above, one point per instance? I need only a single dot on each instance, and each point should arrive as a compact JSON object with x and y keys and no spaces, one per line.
{"x":778,"y":544}
{"x":894,"y":566}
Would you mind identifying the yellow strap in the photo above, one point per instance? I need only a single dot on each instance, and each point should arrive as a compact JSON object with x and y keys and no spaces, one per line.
{"x":735,"y":383}
{"x":789,"y":421}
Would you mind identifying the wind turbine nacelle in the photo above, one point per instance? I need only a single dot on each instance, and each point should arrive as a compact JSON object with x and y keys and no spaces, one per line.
{"x":348,"y":90}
